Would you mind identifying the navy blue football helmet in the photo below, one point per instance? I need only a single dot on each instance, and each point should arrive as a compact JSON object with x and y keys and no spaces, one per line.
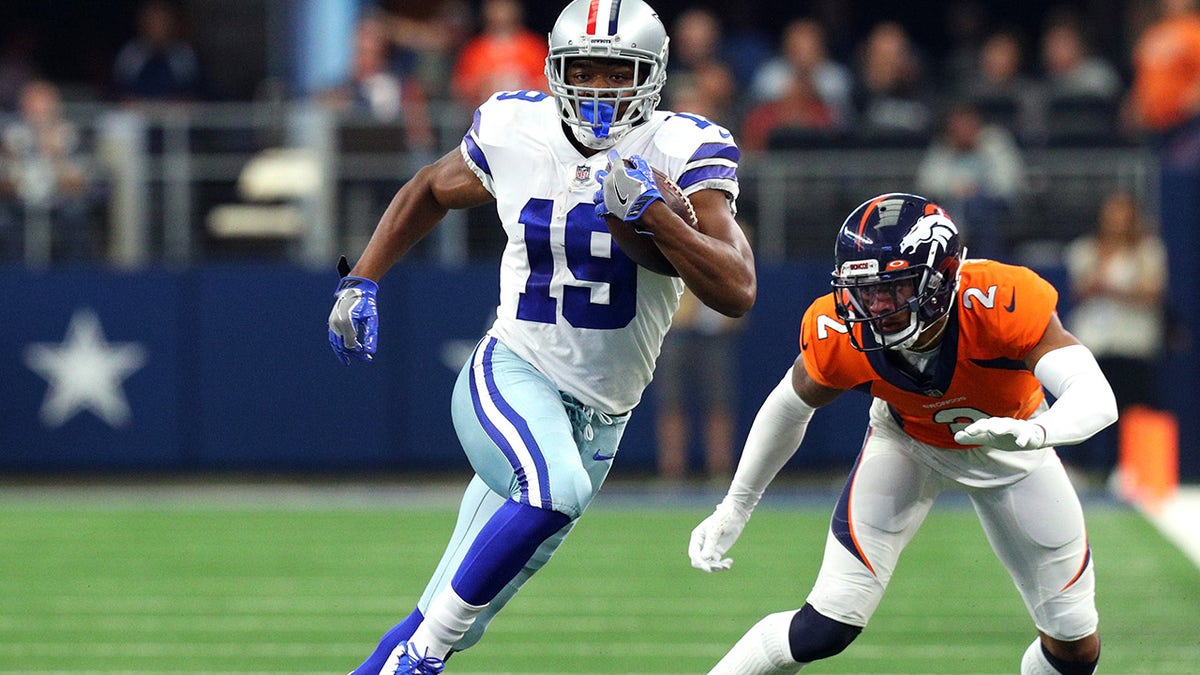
{"x":896,"y":253}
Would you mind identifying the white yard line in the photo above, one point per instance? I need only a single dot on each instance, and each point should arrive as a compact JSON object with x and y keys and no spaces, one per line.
{"x":1178,"y":519}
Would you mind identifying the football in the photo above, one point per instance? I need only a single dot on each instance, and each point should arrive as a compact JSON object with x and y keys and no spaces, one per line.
{"x":641,"y":247}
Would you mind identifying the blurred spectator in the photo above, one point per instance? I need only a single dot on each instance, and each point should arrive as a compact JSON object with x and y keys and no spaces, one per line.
{"x":376,"y":90}
{"x":975,"y":171}
{"x":695,"y":39}
{"x":1166,"y":94}
{"x":1166,"y":89}
{"x":44,"y":179}
{"x":695,"y":48}
{"x":964,"y":22}
{"x":799,"y":107}
{"x":16,"y":66}
{"x":1004,"y":94}
{"x":427,"y":35}
{"x":804,"y":56}
{"x":1070,"y":70}
{"x":1118,"y":276}
{"x":157,"y":64}
{"x":892,"y":101}
{"x":710,"y":93}
{"x":504,"y":56}
{"x":699,"y":335}
{"x":746,"y":45}
{"x":839,"y":19}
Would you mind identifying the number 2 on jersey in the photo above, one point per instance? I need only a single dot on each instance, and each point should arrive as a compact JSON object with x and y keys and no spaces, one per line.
{"x":539,"y":304}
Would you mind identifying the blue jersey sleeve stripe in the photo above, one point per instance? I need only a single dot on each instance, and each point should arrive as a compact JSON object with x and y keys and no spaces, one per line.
{"x":717,"y":150}
{"x":476,"y":154}
{"x":704,"y":173}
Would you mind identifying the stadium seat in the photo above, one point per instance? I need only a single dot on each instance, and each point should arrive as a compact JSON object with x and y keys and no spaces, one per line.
{"x":1082,"y":121}
{"x":804,"y":138}
{"x":271,"y":185}
{"x":1001,"y":111}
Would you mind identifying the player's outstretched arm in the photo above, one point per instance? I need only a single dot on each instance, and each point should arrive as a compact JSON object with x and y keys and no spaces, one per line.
{"x":777,"y":432}
{"x":419,"y":204}
{"x":1085,"y":403}
{"x":714,"y":259}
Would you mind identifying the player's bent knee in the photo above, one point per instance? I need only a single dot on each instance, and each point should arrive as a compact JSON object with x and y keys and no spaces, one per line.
{"x":814,"y":636}
{"x":1067,"y":621}
{"x":572,"y":493}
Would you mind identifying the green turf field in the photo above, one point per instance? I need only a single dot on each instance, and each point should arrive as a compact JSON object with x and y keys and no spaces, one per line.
{"x":181,"y":588}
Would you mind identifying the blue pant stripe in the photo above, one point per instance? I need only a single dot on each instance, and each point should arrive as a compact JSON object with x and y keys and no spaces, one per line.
{"x":525,"y":459}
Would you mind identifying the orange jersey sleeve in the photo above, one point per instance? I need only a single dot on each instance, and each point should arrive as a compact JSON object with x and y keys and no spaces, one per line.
{"x":1001,"y":312}
{"x":824,"y":343}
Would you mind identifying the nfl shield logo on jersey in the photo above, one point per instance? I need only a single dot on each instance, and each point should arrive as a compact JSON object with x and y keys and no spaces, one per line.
{"x":583,"y":174}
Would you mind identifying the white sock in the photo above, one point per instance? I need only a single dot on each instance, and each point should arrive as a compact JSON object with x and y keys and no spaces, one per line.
{"x":447,"y":619}
{"x":763,"y":650}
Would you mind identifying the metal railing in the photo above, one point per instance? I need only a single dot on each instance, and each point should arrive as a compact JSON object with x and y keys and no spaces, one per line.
{"x":166,"y":169}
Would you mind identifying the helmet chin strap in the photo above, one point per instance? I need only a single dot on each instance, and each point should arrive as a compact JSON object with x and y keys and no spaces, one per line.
{"x":929,"y":335}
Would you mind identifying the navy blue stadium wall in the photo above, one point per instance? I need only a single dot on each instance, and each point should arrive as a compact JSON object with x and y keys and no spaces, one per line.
{"x":227,"y":369}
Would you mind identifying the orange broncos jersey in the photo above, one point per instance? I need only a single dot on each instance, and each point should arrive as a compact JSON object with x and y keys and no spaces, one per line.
{"x":1000,"y":313}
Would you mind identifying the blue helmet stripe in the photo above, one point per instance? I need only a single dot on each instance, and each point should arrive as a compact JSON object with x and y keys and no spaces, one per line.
{"x":612,"y":17}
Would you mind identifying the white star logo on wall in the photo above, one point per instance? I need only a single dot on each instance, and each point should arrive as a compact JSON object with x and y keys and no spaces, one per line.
{"x":85,"y":372}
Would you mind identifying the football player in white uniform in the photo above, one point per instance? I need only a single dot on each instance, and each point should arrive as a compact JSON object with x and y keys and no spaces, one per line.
{"x":541,"y":406}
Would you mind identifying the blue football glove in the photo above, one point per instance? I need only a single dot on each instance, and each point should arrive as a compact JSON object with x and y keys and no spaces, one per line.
{"x":625,"y":191}
{"x":354,"y":321}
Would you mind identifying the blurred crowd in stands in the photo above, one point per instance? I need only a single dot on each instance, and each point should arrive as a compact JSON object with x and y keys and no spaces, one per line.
{"x":990,"y":91}
{"x":972,"y":106}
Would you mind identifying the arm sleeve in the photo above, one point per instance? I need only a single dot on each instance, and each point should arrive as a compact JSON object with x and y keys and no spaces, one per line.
{"x":1085,"y":402}
{"x":778,"y":429}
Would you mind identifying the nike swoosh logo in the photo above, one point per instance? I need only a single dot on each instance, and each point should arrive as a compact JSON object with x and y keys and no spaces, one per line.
{"x":1012,"y":303}
{"x":725,"y":134}
{"x":620,"y":197}
{"x":602,"y":458}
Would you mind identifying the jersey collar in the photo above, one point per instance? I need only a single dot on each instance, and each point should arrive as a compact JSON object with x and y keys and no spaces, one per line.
{"x":897,"y":372}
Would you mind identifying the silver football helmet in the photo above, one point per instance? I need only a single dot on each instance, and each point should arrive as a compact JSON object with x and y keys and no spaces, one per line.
{"x":627,"y":30}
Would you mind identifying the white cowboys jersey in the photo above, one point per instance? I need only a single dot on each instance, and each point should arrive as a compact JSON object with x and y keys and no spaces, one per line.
{"x":571,"y":303}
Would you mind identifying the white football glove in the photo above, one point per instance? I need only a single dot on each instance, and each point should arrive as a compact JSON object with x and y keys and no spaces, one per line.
{"x":715,"y":535}
{"x":1003,"y":433}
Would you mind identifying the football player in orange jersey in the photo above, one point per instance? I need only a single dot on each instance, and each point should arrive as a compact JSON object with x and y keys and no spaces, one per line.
{"x":955,"y":354}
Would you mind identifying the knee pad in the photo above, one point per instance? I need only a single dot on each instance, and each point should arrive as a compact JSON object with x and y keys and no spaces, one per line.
{"x":571,"y":492}
{"x":813,"y":636}
{"x":1070,"y":615}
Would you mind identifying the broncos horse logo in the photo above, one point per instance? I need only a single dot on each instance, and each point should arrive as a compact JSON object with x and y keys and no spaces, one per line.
{"x":935,"y":229}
